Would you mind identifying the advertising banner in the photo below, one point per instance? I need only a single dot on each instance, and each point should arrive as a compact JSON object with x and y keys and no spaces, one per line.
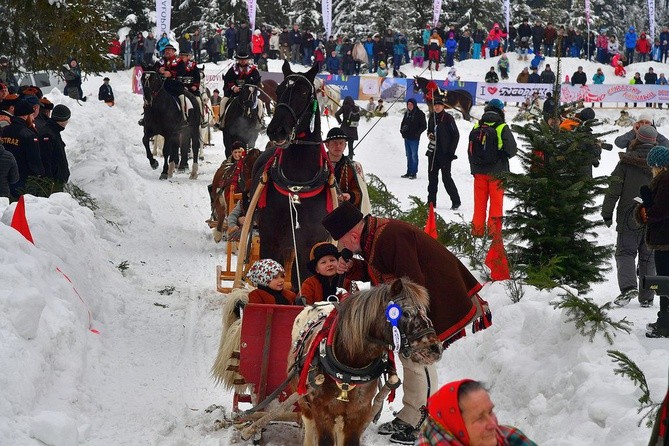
{"x":163,"y":17}
{"x":470,"y":87}
{"x":569,"y":93}
{"x":387,"y":88}
{"x":348,"y":85}
{"x":326,"y":7}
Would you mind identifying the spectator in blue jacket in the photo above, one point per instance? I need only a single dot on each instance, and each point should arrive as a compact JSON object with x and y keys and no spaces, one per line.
{"x":398,"y":53}
{"x":535,"y":78}
{"x":451,"y":45}
{"x":664,"y":44}
{"x":231,"y":40}
{"x":369,"y":48}
{"x":630,"y":44}
{"x":332,"y":63}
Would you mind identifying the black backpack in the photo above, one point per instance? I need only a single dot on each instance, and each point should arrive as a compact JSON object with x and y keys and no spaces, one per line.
{"x":483,"y":149}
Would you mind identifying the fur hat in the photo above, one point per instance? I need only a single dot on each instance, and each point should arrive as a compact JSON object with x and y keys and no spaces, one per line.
{"x":335,"y":133}
{"x":645,"y":117}
{"x":46,"y":104}
{"x":60,"y":113}
{"x":646,"y":134}
{"x":319,"y":251}
{"x":23,"y":108}
{"x":658,"y":157}
{"x":342,"y":220}
{"x":263,"y":271}
{"x":586,"y":114}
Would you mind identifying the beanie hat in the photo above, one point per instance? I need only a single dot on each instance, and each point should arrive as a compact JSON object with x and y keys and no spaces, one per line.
{"x":342,"y":220}
{"x":444,"y":410}
{"x":319,"y":251}
{"x":496,"y":103}
{"x":335,"y":133}
{"x":237,"y":145}
{"x":60,"y":113}
{"x":658,"y":157}
{"x":646,"y":134}
{"x":263,"y":271}
{"x":23,"y":108}
{"x":32,"y":100}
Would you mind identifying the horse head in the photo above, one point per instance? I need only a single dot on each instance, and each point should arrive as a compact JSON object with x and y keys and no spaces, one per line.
{"x":296,"y":110}
{"x":152,"y":83}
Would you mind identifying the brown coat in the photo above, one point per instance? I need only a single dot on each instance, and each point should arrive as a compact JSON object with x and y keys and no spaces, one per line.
{"x":259,"y":296}
{"x":394,"y":249}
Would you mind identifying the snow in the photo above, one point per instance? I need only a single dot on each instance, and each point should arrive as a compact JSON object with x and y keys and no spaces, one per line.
{"x":96,"y":354}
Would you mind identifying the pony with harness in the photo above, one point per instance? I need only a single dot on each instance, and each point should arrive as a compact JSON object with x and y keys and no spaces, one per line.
{"x":341,"y":351}
{"x":460,"y":100}
{"x":162,"y":116}
{"x":239,"y":120}
{"x":293,"y":181}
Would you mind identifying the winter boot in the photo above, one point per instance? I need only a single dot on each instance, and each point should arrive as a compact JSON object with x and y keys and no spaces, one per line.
{"x":407,"y":436}
{"x":393,"y":427}
{"x":626,"y":297}
{"x":659,"y":329}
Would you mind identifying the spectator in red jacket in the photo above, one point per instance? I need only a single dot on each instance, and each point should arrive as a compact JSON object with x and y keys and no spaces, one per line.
{"x":114,"y":51}
{"x":257,"y":45}
{"x":643,"y":47}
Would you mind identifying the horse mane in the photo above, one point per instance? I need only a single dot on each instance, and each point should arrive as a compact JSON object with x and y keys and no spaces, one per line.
{"x":363,"y":311}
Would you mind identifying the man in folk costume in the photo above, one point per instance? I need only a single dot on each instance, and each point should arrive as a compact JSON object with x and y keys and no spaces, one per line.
{"x":167,"y":67}
{"x":241,"y":73}
{"x":350,"y":181}
{"x":188,"y":73}
{"x":391,"y":249}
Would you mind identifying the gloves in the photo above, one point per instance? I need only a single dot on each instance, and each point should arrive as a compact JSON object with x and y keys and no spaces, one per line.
{"x":301,"y":300}
{"x":608,"y":222}
{"x":646,"y":195}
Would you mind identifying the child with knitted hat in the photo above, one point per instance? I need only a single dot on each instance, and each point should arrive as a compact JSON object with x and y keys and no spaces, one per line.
{"x":323,"y":261}
{"x":656,"y":205}
{"x":269,"y":276}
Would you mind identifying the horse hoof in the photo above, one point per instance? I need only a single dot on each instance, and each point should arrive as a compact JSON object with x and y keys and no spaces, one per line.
{"x":170,"y":169}
{"x":193,"y":173}
{"x":163,"y":176}
{"x":218,"y":236}
{"x":154,"y":164}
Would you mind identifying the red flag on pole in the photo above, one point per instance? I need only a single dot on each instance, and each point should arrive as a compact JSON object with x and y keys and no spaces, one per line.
{"x":431,"y":223}
{"x":19,"y":221}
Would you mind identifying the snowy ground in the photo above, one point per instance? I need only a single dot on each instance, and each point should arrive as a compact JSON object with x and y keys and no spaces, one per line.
{"x":143,"y":379}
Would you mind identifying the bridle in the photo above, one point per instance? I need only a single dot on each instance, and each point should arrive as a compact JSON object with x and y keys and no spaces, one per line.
{"x":290,"y":82}
{"x":405,"y":348}
{"x":146,"y":84}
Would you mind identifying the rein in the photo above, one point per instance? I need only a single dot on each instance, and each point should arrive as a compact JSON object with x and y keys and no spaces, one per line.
{"x":312,"y":102}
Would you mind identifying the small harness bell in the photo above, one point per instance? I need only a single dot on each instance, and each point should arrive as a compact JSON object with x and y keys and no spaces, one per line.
{"x":344,"y":388}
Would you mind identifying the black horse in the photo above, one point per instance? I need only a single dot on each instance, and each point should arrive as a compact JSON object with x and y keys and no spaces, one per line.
{"x":297,"y":195}
{"x":460,"y":100}
{"x":162,"y":116}
{"x":240,"y":121}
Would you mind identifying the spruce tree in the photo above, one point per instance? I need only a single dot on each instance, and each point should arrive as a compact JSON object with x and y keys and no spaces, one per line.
{"x":555,"y":215}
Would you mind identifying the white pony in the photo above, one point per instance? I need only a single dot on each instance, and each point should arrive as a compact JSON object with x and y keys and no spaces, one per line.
{"x":329,"y":96}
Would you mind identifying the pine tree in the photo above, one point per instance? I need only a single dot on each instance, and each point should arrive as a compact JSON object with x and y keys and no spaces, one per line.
{"x":554,"y":196}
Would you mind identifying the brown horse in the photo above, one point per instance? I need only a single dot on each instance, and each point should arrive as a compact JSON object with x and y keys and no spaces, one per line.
{"x":231,"y":177}
{"x":344,"y":377}
{"x":268,"y":95}
{"x":460,"y":100}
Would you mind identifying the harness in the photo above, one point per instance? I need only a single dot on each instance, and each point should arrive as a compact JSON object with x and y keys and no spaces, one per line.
{"x":312,"y":102}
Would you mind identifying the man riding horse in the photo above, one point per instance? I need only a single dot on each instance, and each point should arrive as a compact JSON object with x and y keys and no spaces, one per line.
{"x":243,"y":72}
{"x":181,"y":75}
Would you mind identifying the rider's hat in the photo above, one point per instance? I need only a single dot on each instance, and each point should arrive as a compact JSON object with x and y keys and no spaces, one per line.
{"x":242,"y":55}
{"x":169,"y":46}
{"x":335,"y":133}
{"x":320,"y":250}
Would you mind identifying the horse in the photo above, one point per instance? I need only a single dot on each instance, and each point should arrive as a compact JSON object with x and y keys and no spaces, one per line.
{"x":329,"y":96}
{"x":163,"y":117}
{"x":299,"y":175}
{"x":460,"y":100}
{"x":351,"y":346}
{"x":240,"y":120}
{"x":229,"y":174}
{"x":268,"y":94}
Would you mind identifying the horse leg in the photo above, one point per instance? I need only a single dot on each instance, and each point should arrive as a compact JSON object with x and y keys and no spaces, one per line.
{"x":310,"y":438}
{"x":183,"y":149}
{"x":195,"y":143}
{"x":152,"y":161}
{"x":172,"y":157}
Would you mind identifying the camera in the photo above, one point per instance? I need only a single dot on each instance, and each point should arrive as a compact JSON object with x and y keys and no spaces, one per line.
{"x":659,"y":284}
{"x":606,"y":146}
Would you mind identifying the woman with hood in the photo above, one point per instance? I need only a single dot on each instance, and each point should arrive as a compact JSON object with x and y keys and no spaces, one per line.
{"x":348,"y":117}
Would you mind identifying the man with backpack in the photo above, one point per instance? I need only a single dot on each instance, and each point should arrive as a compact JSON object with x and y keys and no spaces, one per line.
{"x":491,"y":144}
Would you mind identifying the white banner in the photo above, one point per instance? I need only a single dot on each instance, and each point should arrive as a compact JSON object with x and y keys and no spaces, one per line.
{"x":163,"y":17}
{"x":326,"y":6}
{"x":251,"y":9}
{"x":436,"y":12}
{"x":507,"y":14}
{"x":587,"y":12}
{"x":651,"y":19}
{"x":589,"y":93}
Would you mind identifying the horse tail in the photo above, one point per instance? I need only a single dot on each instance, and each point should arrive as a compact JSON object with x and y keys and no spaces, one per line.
{"x":225,"y":370}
